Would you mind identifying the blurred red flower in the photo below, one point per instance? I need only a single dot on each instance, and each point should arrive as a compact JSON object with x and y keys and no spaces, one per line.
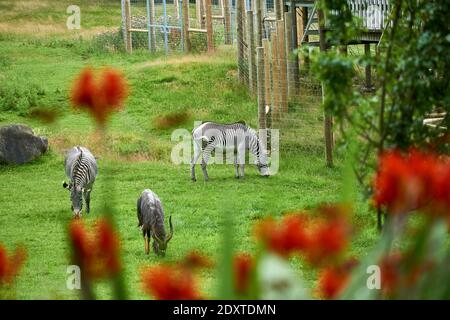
{"x":243,"y":266}
{"x":100,"y":95}
{"x":165,"y":282}
{"x":390,"y":272}
{"x":406,"y":182}
{"x":285,"y":237}
{"x":329,"y":235}
{"x":333,"y":280}
{"x":96,"y":252}
{"x":11,"y":265}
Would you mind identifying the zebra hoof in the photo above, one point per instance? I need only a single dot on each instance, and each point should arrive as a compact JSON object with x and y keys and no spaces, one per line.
{"x":193,"y":179}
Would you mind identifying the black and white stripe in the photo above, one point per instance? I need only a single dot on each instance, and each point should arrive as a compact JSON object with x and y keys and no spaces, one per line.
{"x":81,"y":168}
{"x":236,"y":137}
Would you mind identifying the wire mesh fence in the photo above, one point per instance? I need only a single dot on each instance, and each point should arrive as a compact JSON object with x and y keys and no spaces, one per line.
{"x":266,"y":34}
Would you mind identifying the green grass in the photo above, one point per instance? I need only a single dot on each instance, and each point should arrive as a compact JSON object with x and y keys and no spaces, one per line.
{"x":35,"y":209}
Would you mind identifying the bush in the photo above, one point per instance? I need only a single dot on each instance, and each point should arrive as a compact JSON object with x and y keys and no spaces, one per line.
{"x":19,"y":97}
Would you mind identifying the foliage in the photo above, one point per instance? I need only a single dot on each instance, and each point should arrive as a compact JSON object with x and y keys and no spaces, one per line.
{"x":414,"y":80}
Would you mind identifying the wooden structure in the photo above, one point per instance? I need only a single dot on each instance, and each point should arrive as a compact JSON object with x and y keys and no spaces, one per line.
{"x":269,"y":41}
{"x":155,"y":23}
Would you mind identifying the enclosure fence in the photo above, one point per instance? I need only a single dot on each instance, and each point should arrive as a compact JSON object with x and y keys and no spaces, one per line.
{"x":267,"y":34}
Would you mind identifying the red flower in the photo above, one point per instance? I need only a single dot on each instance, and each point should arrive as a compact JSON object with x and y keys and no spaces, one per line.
{"x":285,"y":237}
{"x":391,"y":273}
{"x":334,"y":280}
{"x":243,"y":266}
{"x":97,"y":252}
{"x":169,"y":283}
{"x":440,"y":188}
{"x":329,"y":239}
{"x":412,"y":181}
{"x":11,"y":265}
{"x":100,"y":96}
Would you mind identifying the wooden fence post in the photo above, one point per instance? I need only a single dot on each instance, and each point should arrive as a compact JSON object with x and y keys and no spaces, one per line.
{"x":267,"y":77}
{"x":128,"y":42}
{"x":291,"y":45}
{"x":240,"y":38}
{"x":283,"y":66}
{"x":328,"y":120}
{"x":209,"y":26}
{"x":251,"y":52}
{"x":177,"y":9}
{"x":278,"y":7}
{"x":227,"y":21}
{"x":275,"y":78}
{"x":186,"y":39}
{"x":261,"y":89}
{"x":368,"y":69}
{"x":151,"y":23}
{"x":304,"y":24}
{"x":259,"y":23}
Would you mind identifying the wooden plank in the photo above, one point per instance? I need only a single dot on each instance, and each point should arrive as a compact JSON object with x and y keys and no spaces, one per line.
{"x":198,"y":30}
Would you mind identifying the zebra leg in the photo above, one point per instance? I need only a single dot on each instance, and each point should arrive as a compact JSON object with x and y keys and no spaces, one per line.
{"x":87,"y":199}
{"x":236,"y":167}
{"x":242,"y":170}
{"x":197,"y":153}
{"x":206,"y":154}
{"x":146,"y":241}
{"x":205,"y":173}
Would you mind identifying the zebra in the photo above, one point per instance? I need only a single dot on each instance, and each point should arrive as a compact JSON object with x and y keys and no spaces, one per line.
{"x":81,"y":168}
{"x":237,"y":137}
{"x":150,"y":215}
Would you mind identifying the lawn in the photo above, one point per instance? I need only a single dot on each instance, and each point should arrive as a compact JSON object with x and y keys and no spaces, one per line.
{"x":36,"y":70}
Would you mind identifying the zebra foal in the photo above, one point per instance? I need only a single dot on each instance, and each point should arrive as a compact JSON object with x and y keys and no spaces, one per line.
{"x":236,"y":137}
{"x":81,"y":169}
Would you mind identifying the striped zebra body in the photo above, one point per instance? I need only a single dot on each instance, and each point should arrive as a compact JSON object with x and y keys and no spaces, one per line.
{"x":236,"y":137}
{"x":81,"y":168}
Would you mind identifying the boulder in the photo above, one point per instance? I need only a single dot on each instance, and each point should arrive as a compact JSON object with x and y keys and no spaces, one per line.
{"x":19,"y":145}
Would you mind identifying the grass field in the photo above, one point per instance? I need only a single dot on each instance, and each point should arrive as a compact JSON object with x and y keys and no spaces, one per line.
{"x":36,"y":69}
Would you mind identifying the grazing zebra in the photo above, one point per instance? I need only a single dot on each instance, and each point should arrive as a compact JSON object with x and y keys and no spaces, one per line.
{"x":81,"y":169}
{"x":150,"y":215}
{"x":237,"y":137}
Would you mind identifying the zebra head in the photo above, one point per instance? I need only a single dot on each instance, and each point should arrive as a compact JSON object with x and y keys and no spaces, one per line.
{"x":262,"y":163}
{"x":161,"y":244}
{"x":76,"y":197}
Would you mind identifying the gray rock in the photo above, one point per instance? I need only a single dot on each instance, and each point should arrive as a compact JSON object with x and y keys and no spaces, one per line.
{"x":19,"y":145}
